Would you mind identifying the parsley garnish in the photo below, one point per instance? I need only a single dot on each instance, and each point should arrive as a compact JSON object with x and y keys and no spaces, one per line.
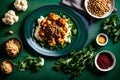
{"x":77,"y":62}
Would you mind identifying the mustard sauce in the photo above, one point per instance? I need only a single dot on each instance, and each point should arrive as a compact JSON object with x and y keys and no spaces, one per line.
{"x":102,"y":39}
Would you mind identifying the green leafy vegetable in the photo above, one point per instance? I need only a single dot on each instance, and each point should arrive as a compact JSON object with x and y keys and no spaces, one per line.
{"x":77,"y":62}
{"x":32,"y":63}
{"x":111,"y":27}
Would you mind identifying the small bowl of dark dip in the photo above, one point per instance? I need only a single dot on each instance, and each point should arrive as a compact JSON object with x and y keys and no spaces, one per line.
{"x":105,"y":61}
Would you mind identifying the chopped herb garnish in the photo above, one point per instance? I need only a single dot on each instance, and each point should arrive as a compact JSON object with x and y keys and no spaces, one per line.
{"x":111,"y":27}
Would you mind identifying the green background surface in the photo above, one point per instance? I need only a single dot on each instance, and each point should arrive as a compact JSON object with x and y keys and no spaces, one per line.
{"x":46,"y":72}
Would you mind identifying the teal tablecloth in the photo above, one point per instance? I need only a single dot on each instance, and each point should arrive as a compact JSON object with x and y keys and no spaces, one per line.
{"x":46,"y":72}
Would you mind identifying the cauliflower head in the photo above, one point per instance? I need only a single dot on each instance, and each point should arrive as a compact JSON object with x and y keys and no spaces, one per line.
{"x":21,"y":5}
{"x":10,"y":18}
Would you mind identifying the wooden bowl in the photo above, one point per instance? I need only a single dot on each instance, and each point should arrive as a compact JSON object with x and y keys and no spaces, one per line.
{"x":6,"y":67}
{"x":13,"y":47}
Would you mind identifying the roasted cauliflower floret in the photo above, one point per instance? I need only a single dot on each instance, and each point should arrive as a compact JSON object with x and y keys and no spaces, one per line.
{"x":62,"y":21}
{"x":10,"y":18}
{"x":48,"y":22}
{"x":43,"y":23}
{"x":53,"y":16}
{"x":21,"y":5}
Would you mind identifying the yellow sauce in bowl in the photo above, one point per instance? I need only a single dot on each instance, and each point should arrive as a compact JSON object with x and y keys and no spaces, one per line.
{"x":101,"y":39}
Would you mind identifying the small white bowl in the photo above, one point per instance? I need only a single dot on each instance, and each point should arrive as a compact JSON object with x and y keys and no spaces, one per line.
{"x":104,"y":41}
{"x":112,"y":57}
{"x":98,"y":17}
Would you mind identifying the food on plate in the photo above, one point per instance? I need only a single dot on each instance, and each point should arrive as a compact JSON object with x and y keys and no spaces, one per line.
{"x":99,"y":7}
{"x":10,"y":18}
{"x":13,"y":47}
{"x":21,"y":5}
{"x":54,"y":30}
{"x":6,"y":67}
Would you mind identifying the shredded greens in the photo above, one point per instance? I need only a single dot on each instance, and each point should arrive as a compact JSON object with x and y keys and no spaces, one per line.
{"x":111,"y":27}
{"x":77,"y":62}
{"x":32,"y":63}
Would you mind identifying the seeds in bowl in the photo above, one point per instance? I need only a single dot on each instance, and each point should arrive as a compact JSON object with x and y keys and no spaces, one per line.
{"x":13,"y":47}
{"x":6,"y":67}
{"x":99,"y":7}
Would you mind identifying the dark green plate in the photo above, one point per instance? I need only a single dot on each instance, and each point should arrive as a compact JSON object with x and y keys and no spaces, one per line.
{"x":78,"y":40}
